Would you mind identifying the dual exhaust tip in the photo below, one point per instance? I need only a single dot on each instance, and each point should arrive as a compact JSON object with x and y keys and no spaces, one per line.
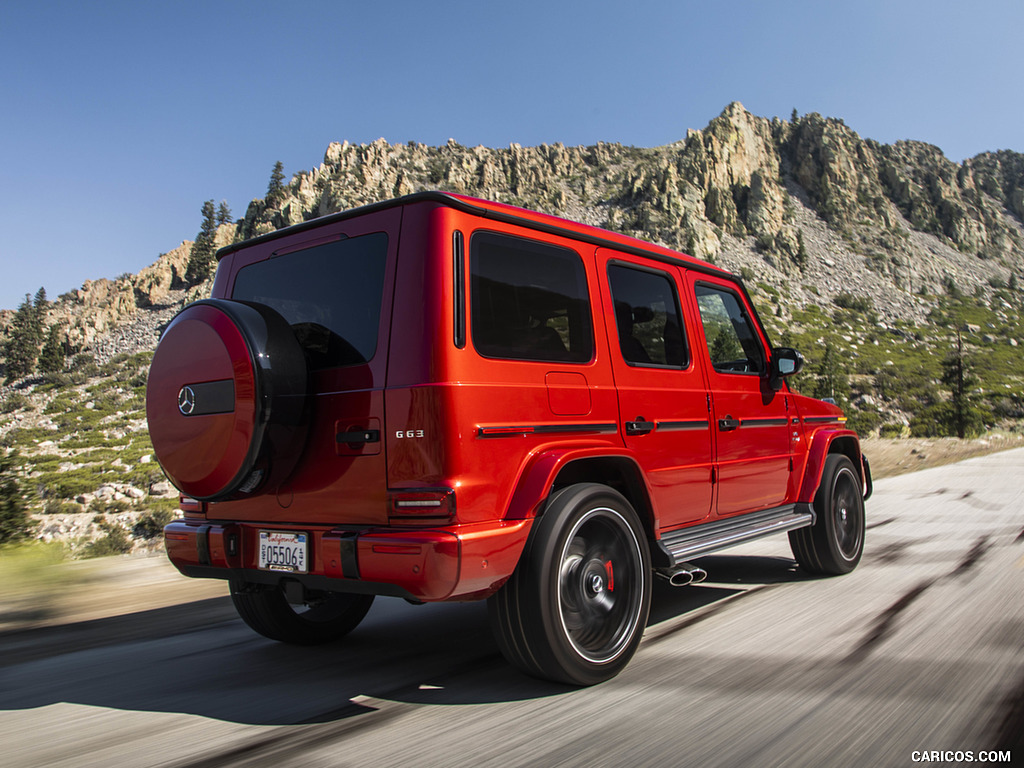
{"x":682,"y":574}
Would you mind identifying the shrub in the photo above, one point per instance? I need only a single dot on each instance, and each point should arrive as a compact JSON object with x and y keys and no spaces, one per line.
{"x":109,"y":506}
{"x":863,"y":422}
{"x":849,"y":301}
{"x":151,"y":524}
{"x":13,"y":402}
{"x":115,"y":542}
{"x":59,"y":507}
{"x":891,"y":430}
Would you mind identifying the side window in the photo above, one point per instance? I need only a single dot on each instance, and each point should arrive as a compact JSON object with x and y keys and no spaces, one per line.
{"x":732,"y":342}
{"x":528,"y":301}
{"x":647,"y":317}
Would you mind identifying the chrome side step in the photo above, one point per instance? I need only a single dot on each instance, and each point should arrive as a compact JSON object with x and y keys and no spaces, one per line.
{"x":709,"y":537}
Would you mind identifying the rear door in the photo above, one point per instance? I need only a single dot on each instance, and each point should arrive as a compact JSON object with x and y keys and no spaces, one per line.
{"x":334,"y":287}
{"x":749,"y":419}
{"x":663,"y":405}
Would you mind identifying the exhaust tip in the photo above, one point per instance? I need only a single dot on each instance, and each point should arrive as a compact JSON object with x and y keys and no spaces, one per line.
{"x":680,"y":578}
{"x":683,"y":574}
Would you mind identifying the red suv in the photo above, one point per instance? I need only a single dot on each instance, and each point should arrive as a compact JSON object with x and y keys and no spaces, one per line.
{"x":444,"y":398}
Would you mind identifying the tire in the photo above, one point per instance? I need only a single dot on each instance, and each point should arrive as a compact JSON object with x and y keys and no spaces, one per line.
{"x":835,"y":543}
{"x":328,"y":616}
{"x":575,"y":608}
{"x":226,"y":400}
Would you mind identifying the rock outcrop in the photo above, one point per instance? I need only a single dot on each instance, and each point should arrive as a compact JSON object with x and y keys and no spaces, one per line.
{"x":795,"y":201}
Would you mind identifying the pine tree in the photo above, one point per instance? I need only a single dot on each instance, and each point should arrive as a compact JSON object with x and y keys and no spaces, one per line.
{"x":15,"y":523}
{"x":200,"y":259}
{"x":275,"y":189}
{"x":26,"y":336}
{"x":54,"y":354}
{"x":41,"y":305}
{"x":223,"y":213}
{"x":832,"y":379}
{"x":966,"y":415}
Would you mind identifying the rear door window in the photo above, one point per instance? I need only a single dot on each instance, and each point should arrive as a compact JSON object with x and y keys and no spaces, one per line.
{"x":330,"y":294}
{"x":529,"y":300}
{"x":647,"y":317}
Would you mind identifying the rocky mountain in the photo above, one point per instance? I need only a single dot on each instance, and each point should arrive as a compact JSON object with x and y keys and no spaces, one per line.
{"x":805,"y":203}
{"x":871,"y":258}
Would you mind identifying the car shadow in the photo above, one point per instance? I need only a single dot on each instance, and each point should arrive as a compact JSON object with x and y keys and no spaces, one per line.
{"x":751,"y":569}
{"x":199,"y":659}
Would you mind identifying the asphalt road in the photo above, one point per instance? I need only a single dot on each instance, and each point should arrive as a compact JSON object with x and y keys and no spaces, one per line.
{"x":921,"y":649}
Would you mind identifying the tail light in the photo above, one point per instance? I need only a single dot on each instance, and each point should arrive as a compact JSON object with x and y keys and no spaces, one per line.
{"x":190,"y":507}
{"x":421,"y":506}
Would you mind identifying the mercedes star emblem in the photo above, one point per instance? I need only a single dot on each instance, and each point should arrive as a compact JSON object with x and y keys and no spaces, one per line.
{"x":186,"y":401}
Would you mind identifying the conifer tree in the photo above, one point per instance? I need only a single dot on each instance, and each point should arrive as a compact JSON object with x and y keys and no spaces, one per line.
{"x":966,"y":415}
{"x":223,"y":213}
{"x":200,"y":260}
{"x":15,"y":523}
{"x":275,"y":189}
{"x":54,"y":354}
{"x":26,"y":336}
{"x":41,"y":304}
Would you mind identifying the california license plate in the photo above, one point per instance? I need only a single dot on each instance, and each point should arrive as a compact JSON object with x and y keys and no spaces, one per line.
{"x":280,"y":551}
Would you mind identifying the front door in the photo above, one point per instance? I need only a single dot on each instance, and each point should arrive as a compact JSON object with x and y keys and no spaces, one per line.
{"x":750,"y":420}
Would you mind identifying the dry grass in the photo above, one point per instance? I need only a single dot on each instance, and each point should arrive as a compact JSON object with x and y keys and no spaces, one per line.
{"x":902,"y":455}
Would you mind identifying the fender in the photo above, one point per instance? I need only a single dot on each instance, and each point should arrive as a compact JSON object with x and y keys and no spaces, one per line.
{"x":542,"y":468}
{"x":821,"y":444}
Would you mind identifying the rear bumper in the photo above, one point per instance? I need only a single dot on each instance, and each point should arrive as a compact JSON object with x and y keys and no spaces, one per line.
{"x":457,"y":562}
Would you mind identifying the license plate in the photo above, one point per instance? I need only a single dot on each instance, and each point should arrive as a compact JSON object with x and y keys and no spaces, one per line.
{"x":280,"y":551}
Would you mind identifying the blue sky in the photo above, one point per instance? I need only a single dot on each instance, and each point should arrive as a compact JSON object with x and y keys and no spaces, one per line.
{"x":118,"y":119}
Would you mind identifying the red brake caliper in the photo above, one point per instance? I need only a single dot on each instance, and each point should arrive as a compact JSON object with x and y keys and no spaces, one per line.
{"x":611,"y":576}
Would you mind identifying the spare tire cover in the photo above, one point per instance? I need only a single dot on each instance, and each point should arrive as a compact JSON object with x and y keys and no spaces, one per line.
{"x":227,"y":382}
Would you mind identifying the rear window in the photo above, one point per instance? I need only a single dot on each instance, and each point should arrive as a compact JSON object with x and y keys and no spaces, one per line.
{"x":529,"y":300}
{"x":331,"y":295}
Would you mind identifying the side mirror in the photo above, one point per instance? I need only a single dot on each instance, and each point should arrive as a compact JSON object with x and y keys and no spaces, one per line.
{"x":785,"y":362}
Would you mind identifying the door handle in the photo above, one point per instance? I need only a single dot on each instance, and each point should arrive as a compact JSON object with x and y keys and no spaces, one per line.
{"x":728,"y":424}
{"x":639,"y":427}
{"x":361,"y":436}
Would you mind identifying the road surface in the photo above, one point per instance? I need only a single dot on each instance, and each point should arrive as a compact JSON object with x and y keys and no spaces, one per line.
{"x":917,"y":654}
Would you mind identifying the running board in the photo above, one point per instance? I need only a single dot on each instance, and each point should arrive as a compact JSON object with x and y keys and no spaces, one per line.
{"x":709,"y":537}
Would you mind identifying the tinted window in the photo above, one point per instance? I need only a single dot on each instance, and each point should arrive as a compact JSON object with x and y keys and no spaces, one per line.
{"x":647,"y":317}
{"x":330,"y":294}
{"x":732,"y":342}
{"x":529,"y":300}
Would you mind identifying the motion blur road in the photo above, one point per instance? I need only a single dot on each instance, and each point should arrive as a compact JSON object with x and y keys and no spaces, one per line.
{"x":920,"y":649}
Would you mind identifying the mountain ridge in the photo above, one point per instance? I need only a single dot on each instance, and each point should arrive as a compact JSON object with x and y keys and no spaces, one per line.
{"x":741,"y":178}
